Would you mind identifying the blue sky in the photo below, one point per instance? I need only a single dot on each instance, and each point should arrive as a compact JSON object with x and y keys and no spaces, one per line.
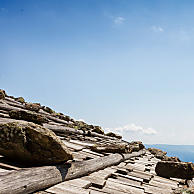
{"x":125,"y":65}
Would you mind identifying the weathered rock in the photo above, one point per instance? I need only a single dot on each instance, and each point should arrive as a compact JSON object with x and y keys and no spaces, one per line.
{"x":111,"y":134}
{"x":136,"y":146}
{"x":48,"y":110}
{"x":28,"y":116}
{"x":31,"y":143}
{"x":183,"y":170}
{"x":173,"y":159}
{"x":98,"y":129}
{"x":33,"y":106}
{"x":183,"y":191}
{"x":20,"y":99}
{"x":157,"y":153}
{"x":2,"y":94}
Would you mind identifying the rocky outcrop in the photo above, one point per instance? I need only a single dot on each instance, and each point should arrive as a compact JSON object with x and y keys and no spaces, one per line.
{"x":2,"y":94}
{"x":172,"y":159}
{"x":31,"y":144}
{"x":157,"y":153}
{"x":136,"y":146}
{"x":98,"y":129}
{"x":28,"y":116}
{"x":111,"y":134}
{"x":183,"y":170}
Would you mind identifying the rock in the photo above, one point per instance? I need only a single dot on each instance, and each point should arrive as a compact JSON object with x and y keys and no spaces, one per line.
{"x":31,"y":143}
{"x":33,"y":106}
{"x":135,"y":146}
{"x":48,"y":110}
{"x":111,"y":134}
{"x":157,"y":153}
{"x":28,"y":116}
{"x":20,"y":99}
{"x":182,"y":170}
{"x":183,"y":191}
{"x":98,"y":129}
{"x":2,"y":94}
{"x":173,"y":159}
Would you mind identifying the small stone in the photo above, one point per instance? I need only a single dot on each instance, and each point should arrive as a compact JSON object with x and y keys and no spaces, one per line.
{"x":28,"y":116}
{"x":182,"y":170}
{"x":32,"y":144}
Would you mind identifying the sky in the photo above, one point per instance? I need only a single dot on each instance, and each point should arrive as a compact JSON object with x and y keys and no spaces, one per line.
{"x":125,"y":65}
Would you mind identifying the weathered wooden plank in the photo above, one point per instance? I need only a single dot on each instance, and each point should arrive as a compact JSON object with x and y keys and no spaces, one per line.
{"x":38,"y":178}
{"x":126,"y":181}
{"x":123,"y":188}
{"x":67,"y":190}
{"x":156,"y":190}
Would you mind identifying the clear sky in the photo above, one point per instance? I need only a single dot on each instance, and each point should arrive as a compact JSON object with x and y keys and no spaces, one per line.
{"x":125,"y":65}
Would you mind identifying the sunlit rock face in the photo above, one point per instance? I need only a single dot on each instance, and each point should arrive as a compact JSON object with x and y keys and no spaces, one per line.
{"x":31,"y":143}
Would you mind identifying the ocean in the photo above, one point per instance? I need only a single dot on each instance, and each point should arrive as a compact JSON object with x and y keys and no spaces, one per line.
{"x":184,"y":152}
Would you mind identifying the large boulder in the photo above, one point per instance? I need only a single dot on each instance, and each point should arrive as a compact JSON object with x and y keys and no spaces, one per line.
{"x":31,"y":144}
{"x":2,"y":94}
{"x":28,"y":116}
{"x":182,"y":170}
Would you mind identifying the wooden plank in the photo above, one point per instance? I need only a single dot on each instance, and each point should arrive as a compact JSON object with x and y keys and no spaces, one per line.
{"x":79,"y":182}
{"x":38,"y":178}
{"x":84,"y":144}
{"x":106,"y":190}
{"x":126,"y":181}
{"x":73,"y":146}
{"x":123,"y":188}
{"x":129,"y":177}
{"x":155,"y":190}
{"x":67,"y":190}
{"x":162,"y":185}
{"x":96,"y":181}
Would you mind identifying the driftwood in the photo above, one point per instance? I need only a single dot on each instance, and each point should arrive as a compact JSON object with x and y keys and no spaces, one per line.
{"x":38,"y":178}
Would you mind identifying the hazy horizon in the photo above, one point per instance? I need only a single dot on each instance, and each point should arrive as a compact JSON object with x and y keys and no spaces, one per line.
{"x":127,"y":66}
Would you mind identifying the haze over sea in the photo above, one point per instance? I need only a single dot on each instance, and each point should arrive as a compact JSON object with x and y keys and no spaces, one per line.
{"x":184,"y":152}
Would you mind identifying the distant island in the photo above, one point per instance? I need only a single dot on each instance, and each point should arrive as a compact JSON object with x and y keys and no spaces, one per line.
{"x":184,"y":152}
